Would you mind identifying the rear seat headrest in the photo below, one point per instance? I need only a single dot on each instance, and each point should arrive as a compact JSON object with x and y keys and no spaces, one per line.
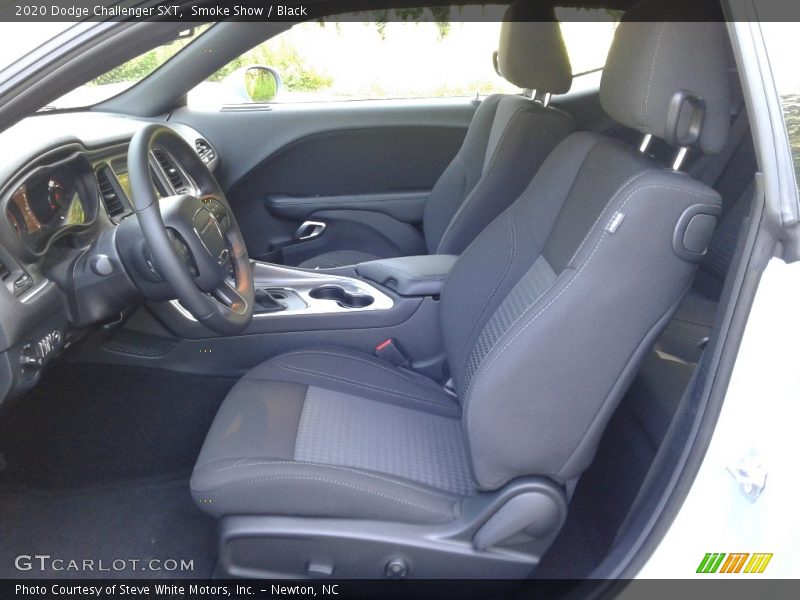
{"x":663,"y":52}
{"x":531,"y":53}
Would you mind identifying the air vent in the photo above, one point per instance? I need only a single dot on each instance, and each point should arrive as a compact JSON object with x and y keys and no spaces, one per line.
{"x":171,"y":170}
{"x":109,"y":192}
{"x":204,"y":150}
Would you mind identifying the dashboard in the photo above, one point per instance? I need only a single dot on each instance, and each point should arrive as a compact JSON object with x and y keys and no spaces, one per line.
{"x":65,"y":199}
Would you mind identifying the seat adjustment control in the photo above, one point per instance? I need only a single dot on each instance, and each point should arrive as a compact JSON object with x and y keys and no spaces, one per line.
{"x":397,"y":568}
{"x":318,"y":568}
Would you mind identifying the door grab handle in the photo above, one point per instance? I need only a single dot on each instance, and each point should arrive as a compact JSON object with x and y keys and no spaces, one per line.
{"x":309,"y":230}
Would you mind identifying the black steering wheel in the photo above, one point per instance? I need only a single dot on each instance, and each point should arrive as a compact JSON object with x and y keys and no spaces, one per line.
{"x":195,"y":242}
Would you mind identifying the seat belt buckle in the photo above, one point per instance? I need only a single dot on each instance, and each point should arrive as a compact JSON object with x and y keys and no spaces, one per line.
{"x":390,"y":351}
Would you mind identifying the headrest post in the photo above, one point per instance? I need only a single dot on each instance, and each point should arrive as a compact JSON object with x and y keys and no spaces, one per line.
{"x":528,"y":92}
{"x":645,"y":142}
{"x":542,"y":98}
{"x":667,"y":73}
{"x":679,"y":158}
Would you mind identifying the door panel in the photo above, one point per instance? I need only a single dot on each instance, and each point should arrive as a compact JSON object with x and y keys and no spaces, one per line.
{"x":348,"y":160}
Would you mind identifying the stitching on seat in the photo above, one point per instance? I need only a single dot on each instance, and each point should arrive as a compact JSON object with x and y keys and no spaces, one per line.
{"x":601,"y":217}
{"x":652,"y":69}
{"x":603,"y":236}
{"x":502,"y":142}
{"x":503,"y":277}
{"x":377,"y":365}
{"x":258,"y":463}
{"x":628,"y":182}
{"x":463,"y":194}
{"x":604,"y":404}
{"x":362,"y":385}
{"x":589,"y":149}
{"x":333,"y":482}
{"x":300,"y":424}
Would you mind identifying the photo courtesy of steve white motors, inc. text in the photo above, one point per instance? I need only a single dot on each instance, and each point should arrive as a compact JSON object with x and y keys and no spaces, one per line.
{"x":172,"y":590}
{"x":175,"y":11}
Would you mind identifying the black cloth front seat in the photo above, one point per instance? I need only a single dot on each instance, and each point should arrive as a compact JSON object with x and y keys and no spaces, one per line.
{"x":506,"y":143}
{"x":545,"y":318}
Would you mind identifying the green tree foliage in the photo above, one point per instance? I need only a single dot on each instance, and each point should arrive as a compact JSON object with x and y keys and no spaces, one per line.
{"x":379,"y":18}
{"x":141,"y":66}
{"x":276,"y":53}
{"x":284,"y":58}
{"x":791,"y":107}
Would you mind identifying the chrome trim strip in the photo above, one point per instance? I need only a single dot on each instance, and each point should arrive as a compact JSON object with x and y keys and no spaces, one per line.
{"x":35,"y":291}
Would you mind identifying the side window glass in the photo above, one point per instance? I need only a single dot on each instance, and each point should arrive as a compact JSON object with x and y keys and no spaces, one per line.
{"x":781,"y":42}
{"x":405,"y":53}
{"x":411,"y":53}
{"x":588,"y":33}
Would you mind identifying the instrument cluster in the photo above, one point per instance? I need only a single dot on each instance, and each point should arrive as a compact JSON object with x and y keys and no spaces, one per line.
{"x":49,"y":201}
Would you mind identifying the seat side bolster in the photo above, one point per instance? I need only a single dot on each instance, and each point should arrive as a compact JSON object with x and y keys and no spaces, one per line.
{"x":461,"y":175}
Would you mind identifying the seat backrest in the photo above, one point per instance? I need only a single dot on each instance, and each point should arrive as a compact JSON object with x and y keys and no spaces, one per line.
{"x":509,"y":137}
{"x":548,"y":313}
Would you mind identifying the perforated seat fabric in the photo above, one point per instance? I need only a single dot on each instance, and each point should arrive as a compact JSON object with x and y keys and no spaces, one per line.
{"x":330,"y":432}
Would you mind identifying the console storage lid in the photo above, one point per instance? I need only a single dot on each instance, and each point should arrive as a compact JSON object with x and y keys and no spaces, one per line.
{"x":410,"y":275}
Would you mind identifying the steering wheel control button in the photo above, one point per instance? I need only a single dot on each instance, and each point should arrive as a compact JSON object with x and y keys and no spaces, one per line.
{"x":216,"y":208}
{"x":102,"y":265}
{"x":397,"y":568}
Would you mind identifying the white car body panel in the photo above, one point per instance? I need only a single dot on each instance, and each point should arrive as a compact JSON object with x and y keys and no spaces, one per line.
{"x":761,"y":414}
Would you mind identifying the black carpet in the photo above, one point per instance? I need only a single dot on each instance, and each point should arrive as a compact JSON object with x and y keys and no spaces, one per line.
{"x":85,"y":424}
{"x":94,"y":465}
{"x":142,"y":520}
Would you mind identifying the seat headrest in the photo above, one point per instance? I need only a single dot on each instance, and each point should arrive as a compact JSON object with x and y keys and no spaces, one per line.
{"x":531,"y":53}
{"x":664,"y":58}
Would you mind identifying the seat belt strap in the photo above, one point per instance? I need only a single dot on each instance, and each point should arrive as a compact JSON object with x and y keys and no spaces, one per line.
{"x":712,"y":170}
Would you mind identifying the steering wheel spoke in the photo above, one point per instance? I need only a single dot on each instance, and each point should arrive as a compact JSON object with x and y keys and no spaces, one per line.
{"x":184,"y":252}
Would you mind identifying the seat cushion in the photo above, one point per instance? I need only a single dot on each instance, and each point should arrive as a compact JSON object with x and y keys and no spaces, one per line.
{"x":338,"y":258}
{"x":330,"y":432}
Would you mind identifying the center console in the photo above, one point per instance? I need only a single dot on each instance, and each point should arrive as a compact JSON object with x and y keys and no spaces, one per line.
{"x":285,"y":291}
{"x":358,"y":307}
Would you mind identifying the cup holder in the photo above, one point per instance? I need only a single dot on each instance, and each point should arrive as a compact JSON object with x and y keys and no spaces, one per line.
{"x":341,"y":297}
